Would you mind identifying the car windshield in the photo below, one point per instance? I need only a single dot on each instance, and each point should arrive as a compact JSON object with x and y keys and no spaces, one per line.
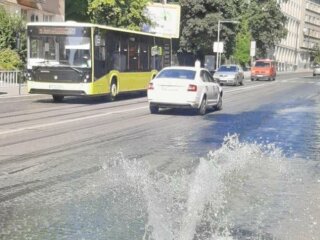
{"x":177,"y":73}
{"x":227,"y":69}
{"x":262,"y":64}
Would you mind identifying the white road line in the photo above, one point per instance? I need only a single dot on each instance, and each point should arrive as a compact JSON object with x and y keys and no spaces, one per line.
{"x":294,"y":80}
{"x":245,"y":88}
{"x":68,"y":121}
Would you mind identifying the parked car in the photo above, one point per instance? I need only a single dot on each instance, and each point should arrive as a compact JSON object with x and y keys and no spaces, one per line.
{"x":263,"y":69}
{"x":229,"y":74}
{"x":184,"y":87}
{"x":316,"y":70}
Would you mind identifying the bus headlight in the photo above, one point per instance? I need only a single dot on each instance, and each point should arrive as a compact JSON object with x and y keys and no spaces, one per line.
{"x":28,"y":75}
{"x":87,"y":78}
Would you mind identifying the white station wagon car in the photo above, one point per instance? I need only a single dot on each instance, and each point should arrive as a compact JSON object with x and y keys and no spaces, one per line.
{"x":184,"y":87}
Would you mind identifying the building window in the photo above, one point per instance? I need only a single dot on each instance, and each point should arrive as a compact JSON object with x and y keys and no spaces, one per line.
{"x":47,"y":18}
{"x":24,"y":14}
{"x":34,"y":18}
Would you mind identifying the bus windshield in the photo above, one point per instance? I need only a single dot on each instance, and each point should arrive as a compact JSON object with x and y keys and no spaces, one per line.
{"x":59,"y":50}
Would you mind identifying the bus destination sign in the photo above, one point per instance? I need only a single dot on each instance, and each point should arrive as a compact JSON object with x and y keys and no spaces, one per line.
{"x":57,"y":31}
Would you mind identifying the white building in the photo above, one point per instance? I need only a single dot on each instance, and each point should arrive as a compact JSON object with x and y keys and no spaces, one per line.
{"x":303,"y":27}
{"x":311,"y":30}
{"x":288,"y":53}
{"x":36,"y":10}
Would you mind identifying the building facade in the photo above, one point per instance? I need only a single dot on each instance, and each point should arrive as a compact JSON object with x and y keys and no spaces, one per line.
{"x":288,"y":52}
{"x":36,"y":10}
{"x":311,"y":30}
{"x":303,"y":27}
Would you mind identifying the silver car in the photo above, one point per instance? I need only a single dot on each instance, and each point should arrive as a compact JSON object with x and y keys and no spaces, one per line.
{"x":229,"y":74}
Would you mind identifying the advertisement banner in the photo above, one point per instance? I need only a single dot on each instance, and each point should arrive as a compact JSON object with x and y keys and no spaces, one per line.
{"x":165,"y":19}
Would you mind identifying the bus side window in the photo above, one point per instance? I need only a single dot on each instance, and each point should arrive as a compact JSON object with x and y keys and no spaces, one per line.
{"x":157,"y":55}
{"x":113,"y":51}
{"x":144,"y":54}
{"x":100,"y":57}
{"x":123,"y":53}
{"x":133,"y":54}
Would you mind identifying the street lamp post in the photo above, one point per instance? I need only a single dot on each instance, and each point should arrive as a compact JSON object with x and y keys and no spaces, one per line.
{"x":218,"y":38}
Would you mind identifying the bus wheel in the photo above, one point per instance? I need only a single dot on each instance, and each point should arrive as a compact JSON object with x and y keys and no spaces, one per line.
{"x":113,"y":90}
{"x":57,"y":98}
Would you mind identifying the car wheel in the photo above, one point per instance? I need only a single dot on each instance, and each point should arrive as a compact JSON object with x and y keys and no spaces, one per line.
{"x":219,"y":104}
{"x":252,"y":79}
{"x":113,"y":91}
{"x":203,"y":107}
{"x":153,"y":109}
{"x":57,"y":98}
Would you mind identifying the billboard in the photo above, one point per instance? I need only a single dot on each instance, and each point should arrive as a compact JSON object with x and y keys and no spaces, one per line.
{"x":165,"y":19}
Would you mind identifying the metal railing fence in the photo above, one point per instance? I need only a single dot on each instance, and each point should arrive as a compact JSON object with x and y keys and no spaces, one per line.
{"x":10,"y":78}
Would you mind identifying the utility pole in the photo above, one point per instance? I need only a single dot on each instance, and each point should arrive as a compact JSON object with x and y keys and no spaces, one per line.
{"x":218,"y":60}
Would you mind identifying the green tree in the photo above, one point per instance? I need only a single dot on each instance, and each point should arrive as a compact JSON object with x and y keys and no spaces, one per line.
{"x":12,"y":33}
{"x":242,"y":48}
{"x":199,"y":25}
{"x":315,"y":55}
{"x":128,"y":14}
{"x":77,"y":10}
{"x":267,"y":24}
{"x":10,"y":59}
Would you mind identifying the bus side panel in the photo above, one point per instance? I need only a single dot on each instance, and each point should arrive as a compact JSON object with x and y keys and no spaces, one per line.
{"x":127,"y":82}
{"x":134,"y":81}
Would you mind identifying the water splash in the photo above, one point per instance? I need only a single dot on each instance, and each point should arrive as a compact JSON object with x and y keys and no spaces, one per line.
{"x":237,"y":183}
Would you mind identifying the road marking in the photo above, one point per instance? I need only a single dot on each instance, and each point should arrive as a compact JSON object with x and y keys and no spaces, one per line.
{"x":245,"y":88}
{"x":68,"y":121}
{"x":290,"y":80}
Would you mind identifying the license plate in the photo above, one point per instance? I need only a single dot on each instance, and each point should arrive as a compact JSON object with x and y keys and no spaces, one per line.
{"x":169,"y":89}
{"x":57,"y":87}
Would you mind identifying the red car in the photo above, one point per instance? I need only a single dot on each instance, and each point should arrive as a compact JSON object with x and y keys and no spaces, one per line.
{"x":263,"y":69}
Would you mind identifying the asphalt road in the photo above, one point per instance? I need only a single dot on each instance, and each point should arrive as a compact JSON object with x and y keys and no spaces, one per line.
{"x":53,"y":154}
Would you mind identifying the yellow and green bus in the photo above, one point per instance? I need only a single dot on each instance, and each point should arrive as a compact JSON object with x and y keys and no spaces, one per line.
{"x":84,"y":59}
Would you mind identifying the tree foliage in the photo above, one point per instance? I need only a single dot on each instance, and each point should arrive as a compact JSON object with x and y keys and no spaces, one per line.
{"x":119,"y":13}
{"x":12,"y":33}
{"x":77,"y":10}
{"x":267,"y":24}
{"x":10,"y":59}
{"x":315,"y":55}
{"x":242,"y":48}
{"x":199,"y":24}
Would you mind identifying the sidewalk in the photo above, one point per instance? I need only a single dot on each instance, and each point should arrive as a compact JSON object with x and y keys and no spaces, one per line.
{"x":12,"y":91}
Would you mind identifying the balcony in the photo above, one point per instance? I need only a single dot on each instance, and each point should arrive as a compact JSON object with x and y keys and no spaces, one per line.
{"x":30,"y":3}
